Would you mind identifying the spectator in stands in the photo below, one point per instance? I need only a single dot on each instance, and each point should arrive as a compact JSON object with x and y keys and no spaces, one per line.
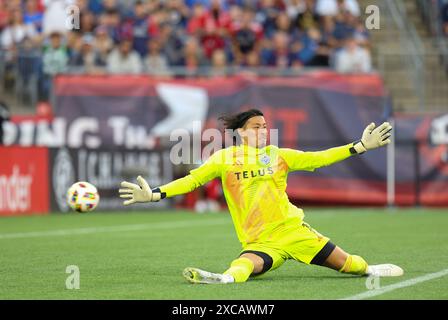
{"x":4,"y":116}
{"x":95,"y":6}
{"x":305,"y":48}
{"x":4,"y":15}
{"x":323,"y":49}
{"x":267,"y":16}
{"x":171,"y":40}
{"x":124,"y":60}
{"x":327,"y":28}
{"x":73,"y":43}
{"x":33,"y":15}
{"x":55,"y":57}
{"x":283,"y":23}
{"x":333,"y":7}
{"x":87,"y":22}
{"x":28,"y":62}
{"x":444,"y":17}
{"x":87,"y":60}
{"x":343,"y":28}
{"x":252,"y":60}
{"x":177,"y":13}
{"x":55,"y":16}
{"x":361,"y":34}
{"x":352,"y":58}
{"x":155,"y":62}
{"x":218,"y":17}
{"x":306,"y":19}
{"x":193,"y":56}
{"x":248,"y":66}
{"x":110,"y":19}
{"x":198,"y":20}
{"x":219,"y":64}
{"x":245,"y":30}
{"x":247,"y":34}
{"x":217,"y":30}
{"x":103,"y":43}
{"x":108,"y":5}
{"x":15,"y":33}
{"x":294,"y":8}
{"x":82,"y":5}
{"x":139,"y":24}
{"x":279,"y":56}
{"x":55,"y":61}
{"x":212,"y":41}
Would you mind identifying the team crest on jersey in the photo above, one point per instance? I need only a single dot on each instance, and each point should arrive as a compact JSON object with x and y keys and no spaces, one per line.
{"x":265,"y":159}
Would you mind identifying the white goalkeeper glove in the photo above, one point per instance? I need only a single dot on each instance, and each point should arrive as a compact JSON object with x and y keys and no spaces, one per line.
{"x":140,"y":192}
{"x":373,"y":138}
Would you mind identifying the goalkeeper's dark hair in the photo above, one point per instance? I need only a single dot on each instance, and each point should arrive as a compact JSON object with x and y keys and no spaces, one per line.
{"x":239,"y":120}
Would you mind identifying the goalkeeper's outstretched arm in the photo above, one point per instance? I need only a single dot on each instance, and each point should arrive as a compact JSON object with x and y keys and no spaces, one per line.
{"x":141,"y":192}
{"x":372,"y":138}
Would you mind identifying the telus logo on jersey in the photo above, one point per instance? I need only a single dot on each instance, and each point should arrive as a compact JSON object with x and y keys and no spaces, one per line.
{"x":253,"y":173}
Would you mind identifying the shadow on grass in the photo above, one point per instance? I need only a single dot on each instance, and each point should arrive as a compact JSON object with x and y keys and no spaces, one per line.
{"x":302,"y":277}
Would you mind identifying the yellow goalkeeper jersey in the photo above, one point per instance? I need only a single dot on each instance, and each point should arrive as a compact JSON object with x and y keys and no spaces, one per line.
{"x":254,"y":184}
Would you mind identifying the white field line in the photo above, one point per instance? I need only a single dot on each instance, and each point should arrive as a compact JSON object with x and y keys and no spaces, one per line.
{"x":120,"y":228}
{"x":399,"y":285}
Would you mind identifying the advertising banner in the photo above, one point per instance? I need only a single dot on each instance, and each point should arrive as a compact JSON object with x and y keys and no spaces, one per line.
{"x":105,"y":169}
{"x":315,"y":111}
{"x":23,"y":181}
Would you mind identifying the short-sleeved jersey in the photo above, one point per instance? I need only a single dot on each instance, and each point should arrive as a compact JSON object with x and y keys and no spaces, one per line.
{"x":254,"y":183}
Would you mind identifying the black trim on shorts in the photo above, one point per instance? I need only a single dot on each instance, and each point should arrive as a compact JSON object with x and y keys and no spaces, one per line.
{"x":267,"y":260}
{"x":323,"y":254}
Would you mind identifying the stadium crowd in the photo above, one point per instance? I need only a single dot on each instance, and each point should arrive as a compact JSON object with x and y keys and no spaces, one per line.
{"x":443,"y":5}
{"x":160,"y":36}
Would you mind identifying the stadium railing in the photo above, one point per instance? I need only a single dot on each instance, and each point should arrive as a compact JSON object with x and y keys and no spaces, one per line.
{"x":412,"y":62}
{"x":430,"y":13}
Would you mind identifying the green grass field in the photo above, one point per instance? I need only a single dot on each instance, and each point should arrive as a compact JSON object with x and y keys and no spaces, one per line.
{"x":142,"y":255}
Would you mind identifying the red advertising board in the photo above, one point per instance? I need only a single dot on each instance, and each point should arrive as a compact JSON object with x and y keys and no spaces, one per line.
{"x":23,"y":180}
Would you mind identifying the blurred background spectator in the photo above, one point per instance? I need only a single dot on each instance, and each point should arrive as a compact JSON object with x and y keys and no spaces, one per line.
{"x":4,"y":116}
{"x":155,"y":62}
{"x":353,"y":58}
{"x":55,"y":61}
{"x":88,"y":59}
{"x":124,"y":59}
{"x":160,"y":36}
{"x":444,"y":17}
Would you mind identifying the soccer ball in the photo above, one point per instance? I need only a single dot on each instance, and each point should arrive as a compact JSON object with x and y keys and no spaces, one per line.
{"x":83,"y":196}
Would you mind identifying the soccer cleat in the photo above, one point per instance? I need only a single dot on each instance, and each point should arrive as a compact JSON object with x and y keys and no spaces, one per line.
{"x":384,"y":270}
{"x":195,"y":275}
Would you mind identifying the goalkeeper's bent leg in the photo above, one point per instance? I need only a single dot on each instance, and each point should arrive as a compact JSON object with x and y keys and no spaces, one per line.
{"x":354,"y":265}
{"x":240,"y":269}
{"x":357,"y":265}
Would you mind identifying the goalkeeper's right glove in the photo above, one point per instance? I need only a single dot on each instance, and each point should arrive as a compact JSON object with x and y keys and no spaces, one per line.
{"x":373,"y":138}
{"x":140,"y":192}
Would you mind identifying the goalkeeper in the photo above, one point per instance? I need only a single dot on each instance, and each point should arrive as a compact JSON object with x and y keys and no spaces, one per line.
{"x":270,"y":229}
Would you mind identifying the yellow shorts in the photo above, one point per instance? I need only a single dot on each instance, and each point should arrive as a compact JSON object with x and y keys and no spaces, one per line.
{"x":299,"y":242}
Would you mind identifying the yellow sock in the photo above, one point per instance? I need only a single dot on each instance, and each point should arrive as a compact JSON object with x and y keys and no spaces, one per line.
{"x":240,"y":269}
{"x":354,"y":265}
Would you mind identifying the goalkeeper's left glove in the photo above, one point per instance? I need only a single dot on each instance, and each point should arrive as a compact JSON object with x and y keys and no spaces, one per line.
{"x":140,"y":192}
{"x":373,"y":138}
